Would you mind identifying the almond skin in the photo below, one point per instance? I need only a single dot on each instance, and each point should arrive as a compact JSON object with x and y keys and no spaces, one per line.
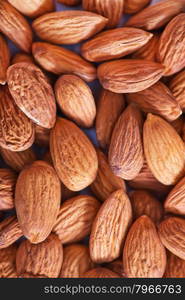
{"x":59,"y":60}
{"x":172,"y":46}
{"x":164,"y":150}
{"x":22,"y":57}
{"x":149,"y":50}
{"x":114,"y":43}
{"x":176,"y":85}
{"x":15,"y":26}
{"x":110,"y":9}
{"x":19,"y":136}
{"x":7,"y":186}
{"x":117,"y":267}
{"x":109,"y":108}
{"x":75,"y":218}
{"x":126,"y":150}
{"x":172,"y":232}
{"x":68,"y":27}
{"x":4,"y":59}
{"x":69,"y":2}
{"x":37,"y":200}
{"x":157,"y":15}
{"x":76,"y":261}
{"x":100,"y":273}
{"x":110,"y":227}
{"x":76,"y":100}
{"x":144,"y":255}
{"x":178,"y":124}
{"x":129,"y":76}
{"x":133,"y":6}
{"x":106,"y":182}
{"x":44,"y":259}
{"x":73,"y":155}
{"x":18,"y":160}
{"x":35,"y":97}
{"x":175,"y":267}
{"x":7,"y":262}
{"x":34,"y":8}
{"x":42,"y":136}
{"x":157,"y":99}
{"x":175,"y":201}
{"x":10,"y":231}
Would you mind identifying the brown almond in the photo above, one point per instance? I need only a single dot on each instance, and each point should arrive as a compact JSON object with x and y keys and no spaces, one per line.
{"x":176,"y":85}
{"x":178,"y":124}
{"x":175,"y":201}
{"x":59,"y":60}
{"x":42,"y":136}
{"x":4,"y":59}
{"x":117,"y":267}
{"x":144,"y":255}
{"x":22,"y":57}
{"x":34,"y":8}
{"x":164,"y":150}
{"x":149,"y":50}
{"x":10,"y":231}
{"x":175,"y":267}
{"x":100,"y":273}
{"x":7,"y":187}
{"x":76,"y":100}
{"x":134,"y":6}
{"x":69,"y":2}
{"x":7,"y":262}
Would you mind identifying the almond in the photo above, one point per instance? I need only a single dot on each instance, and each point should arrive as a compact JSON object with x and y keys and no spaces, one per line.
{"x":176,"y":85}
{"x":175,"y":267}
{"x":68,"y":27}
{"x":7,"y":262}
{"x":76,"y":261}
{"x":172,"y":232}
{"x":175,"y":201}
{"x":4,"y":59}
{"x":76,"y":100}
{"x":34,"y":8}
{"x":129,"y":76}
{"x":42,"y":136}
{"x":149,"y":50}
{"x":100,"y":273}
{"x":22,"y":57}
{"x":15,"y":26}
{"x":157,"y":99}
{"x":117,"y":267}
{"x":10,"y":231}
{"x":110,"y":227}
{"x":75,"y":218}
{"x":69,"y":2}
{"x":109,"y":108}
{"x":157,"y":15}
{"x":164,"y":150}
{"x":178,"y":124}
{"x":73,"y":155}
{"x":106,"y":182}
{"x":32,"y":93}
{"x":114,"y":43}
{"x":7,"y":186}
{"x":144,"y":256}
{"x":133,"y":6}
{"x":37,"y":200}
{"x":126,"y":151}
{"x":172,"y":46}
{"x":59,"y":60}
{"x":19,"y":136}
{"x":110,"y":9}
{"x":44,"y":259}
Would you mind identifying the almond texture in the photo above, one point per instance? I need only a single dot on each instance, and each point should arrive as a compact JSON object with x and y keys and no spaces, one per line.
{"x":175,"y":201}
{"x":7,"y":262}
{"x":4,"y":59}
{"x":34,"y":8}
{"x":176,"y":85}
{"x":10,"y":231}
{"x":100,"y":273}
{"x":7,"y":186}
{"x":175,"y":267}
{"x":133,"y":6}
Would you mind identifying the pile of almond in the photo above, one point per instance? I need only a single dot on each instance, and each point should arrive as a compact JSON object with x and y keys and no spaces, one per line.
{"x":69,"y":208}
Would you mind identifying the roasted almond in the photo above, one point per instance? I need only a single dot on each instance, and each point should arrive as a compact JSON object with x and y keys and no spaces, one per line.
{"x":75,"y":218}
{"x":144,"y":255}
{"x":129,"y":76}
{"x":4,"y":59}
{"x":76,"y":100}
{"x":22,"y":57}
{"x":149,"y":50}
{"x":100,"y":273}
{"x":110,"y":228}
{"x":175,"y":201}
{"x":7,"y":262}
{"x":7,"y":186}
{"x":175,"y":267}
{"x":10,"y":231}
{"x":133,"y":6}
{"x":164,"y":150}
{"x":59,"y":60}
{"x":176,"y":85}
{"x":69,"y":2}
{"x":73,"y":155}
{"x":126,"y":150}
{"x":34,"y":8}
{"x":68,"y":27}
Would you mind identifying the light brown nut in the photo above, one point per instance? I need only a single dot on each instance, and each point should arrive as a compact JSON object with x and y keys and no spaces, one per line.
{"x":172,"y":46}
{"x":69,"y":2}
{"x":7,"y":186}
{"x":126,"y":151}
{"x":164,"y":150}
{"x":129,"y":76}
{"x":110,"y":9}
{"x":7,"y":262}
{"x":76,"y":100}
{"x":144,"y":203}
{"x":15,"y":26}
{"x":157,"y":15}
{"x":134,"y":6}
{"x":100,"y":273}
{"x":18,"y":160}
{"x":114,"y":43}
{"x":17,"y":132}
{"x":68,"y":27}
{"x":33,"y":8}
{"x":59,"y":60}
{"x":4,"y":59}
{"x":110,"y":228}
{"x":32,"y":93}
{"x":42,"y":136}
{"x":74,"y":156}
{"x":10,"y":231}
{"x":172,"y":235}
{"x":144,"y":255}
{"x":106,"y":182}
{"x":76,"y":261}
{"x":75,"y":218}
{"x":149,"y":50}
{"x":175,"y":201}
{"x":175,"y":267}
{"x":37,"y":200}
{"x":176,"y":85}
{"x":43,"y":260}
{"x":157,"y":99}
{"x":117,"y":267}
{"x":22,"y":57}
